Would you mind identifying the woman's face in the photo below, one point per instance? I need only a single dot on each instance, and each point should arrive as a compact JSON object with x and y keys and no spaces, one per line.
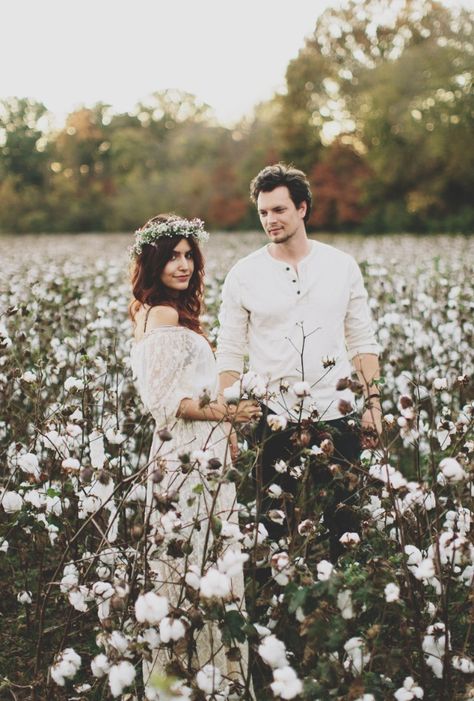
{"x":178,"y":270}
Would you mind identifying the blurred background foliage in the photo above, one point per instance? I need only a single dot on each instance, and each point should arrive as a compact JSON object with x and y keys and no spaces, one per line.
{"x":378,"y":113}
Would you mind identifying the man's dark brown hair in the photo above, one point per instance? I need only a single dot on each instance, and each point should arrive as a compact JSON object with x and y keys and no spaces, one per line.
{"x":280,"y":174}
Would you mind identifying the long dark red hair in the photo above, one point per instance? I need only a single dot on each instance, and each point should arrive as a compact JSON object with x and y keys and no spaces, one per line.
{"x":147,"y":287}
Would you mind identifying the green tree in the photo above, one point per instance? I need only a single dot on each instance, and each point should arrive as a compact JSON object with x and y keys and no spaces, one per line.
{"x":24,"y":146}
{"x":395,"y":82}
{"x":83,"y":185}
{"x":24,"y":157}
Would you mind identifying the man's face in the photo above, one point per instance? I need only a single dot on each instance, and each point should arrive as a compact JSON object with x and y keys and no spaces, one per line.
{"x":280,"y":218}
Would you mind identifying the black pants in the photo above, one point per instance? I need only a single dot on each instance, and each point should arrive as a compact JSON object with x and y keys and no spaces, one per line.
{"x":329,"y":482}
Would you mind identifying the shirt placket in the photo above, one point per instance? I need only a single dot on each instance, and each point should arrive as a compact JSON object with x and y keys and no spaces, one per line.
{"x":294,"y":281}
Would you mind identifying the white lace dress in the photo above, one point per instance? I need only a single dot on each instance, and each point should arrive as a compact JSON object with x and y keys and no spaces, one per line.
{"x":172,"y":363}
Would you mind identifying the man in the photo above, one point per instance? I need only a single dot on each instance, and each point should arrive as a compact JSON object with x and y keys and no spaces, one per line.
{"x":299,"y":308}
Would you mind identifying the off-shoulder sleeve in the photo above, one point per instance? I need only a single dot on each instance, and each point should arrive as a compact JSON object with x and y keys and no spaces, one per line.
{"x":164,"y":372}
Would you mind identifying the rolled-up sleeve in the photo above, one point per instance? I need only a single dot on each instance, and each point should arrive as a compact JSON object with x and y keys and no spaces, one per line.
{"x":358,"y":324}
{"x":233,"y":327}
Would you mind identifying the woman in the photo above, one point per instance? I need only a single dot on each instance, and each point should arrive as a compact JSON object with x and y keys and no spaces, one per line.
{"x":187,"y":491}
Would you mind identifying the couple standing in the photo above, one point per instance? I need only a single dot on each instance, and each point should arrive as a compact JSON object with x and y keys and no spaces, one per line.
{"x":299,"y":309}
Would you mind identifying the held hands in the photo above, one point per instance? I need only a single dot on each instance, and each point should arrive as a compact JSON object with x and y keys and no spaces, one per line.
{"x":371,"y":425}
{"x":245,"y":410}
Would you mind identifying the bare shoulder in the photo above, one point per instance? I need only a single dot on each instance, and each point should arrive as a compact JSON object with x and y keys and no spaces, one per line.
{"x":162,"y":316}
{"x":157,"y":316}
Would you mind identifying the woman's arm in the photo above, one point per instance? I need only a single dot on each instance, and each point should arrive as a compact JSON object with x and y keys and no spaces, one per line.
{"x":247,"y":410}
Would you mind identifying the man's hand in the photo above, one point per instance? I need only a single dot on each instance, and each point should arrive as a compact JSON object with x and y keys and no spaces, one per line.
{"x":371,"y":425}
{"x":246,"y":410}
{"x":368,"y":372}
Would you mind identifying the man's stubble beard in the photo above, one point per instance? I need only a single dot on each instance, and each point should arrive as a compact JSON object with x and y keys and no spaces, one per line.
{"x":284,"y":237}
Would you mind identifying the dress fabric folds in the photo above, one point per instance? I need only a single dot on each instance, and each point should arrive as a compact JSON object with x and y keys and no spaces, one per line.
{"x":172,"y":363}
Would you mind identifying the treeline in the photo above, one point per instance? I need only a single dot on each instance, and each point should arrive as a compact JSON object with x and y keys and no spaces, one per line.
{"x":378,"y":110}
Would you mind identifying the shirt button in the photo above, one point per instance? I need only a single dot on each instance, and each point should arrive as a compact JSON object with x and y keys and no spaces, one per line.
{"x":298,"y":292}
{"x":287,"y":268}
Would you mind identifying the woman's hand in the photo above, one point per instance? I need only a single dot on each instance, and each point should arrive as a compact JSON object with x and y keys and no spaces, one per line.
{"x":245,"y":410}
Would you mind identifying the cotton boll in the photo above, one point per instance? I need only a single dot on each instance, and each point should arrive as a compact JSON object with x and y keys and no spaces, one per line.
{"x":409,"y":691}
{"x":151,"y":637}
{"x":70,"y":578}
{"x":281,"y":466}
{"x":137,"y":493}
{"x":306,"y":527}
{"x":208,"y":679}
{"x":458,"y":520}
{"x":450,"y":471}
{"x":277,"y":422}
{"x":121,"y":675}
{"x":151,"y":608}
{"x":115,"y":437}
{"x":65,"y":667}
{"x":273,"y":652}
{"x":302,"y":389}
{"x":119,"y":641}
{"x":344,"y":603}
{"x":274,"y":491}
{"x":425,"y":569}
{"x":324,"y":570}
{"x":349,"y":539}
{"x":171,"y":629}
{"x":392,"y":593}
{"x":11,"y":502}
{"x":414,"y":556}
{"x":463,"y":664}
{"x":77,"y":598}
{"x":100,"y":665}
{"x":231,"y":563}
{"x":28,"y":462}
{"x":251,"y":537}
{"x":231,"y":532}
{"x":388,"y":474}
{"x":281,"y":568}
{"x":357,"y":657}
{"x":434,"y":646}
{"x":193,"y":577}
{"x":215,"y":584}
{"x":103,"y":591}
{"x":286,"y":684}
{"x":70,"y":465}
{"x":96,"y":448}
{"x":24,"y":597}
{"x":73,"y":383}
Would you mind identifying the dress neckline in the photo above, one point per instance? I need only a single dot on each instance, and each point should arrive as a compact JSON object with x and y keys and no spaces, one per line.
{"x":164,"y":327}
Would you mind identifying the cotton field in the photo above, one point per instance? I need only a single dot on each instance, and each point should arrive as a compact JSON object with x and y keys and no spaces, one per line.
{"x":392,"y":619}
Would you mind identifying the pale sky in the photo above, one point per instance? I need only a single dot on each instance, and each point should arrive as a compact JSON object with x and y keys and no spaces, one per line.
{"x":231,"y":54}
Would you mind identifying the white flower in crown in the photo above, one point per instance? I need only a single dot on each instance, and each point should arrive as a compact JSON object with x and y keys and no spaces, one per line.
{"x":173,"y":227}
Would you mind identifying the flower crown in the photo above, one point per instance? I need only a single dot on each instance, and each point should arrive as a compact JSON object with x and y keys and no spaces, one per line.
{"x":173,"y":227}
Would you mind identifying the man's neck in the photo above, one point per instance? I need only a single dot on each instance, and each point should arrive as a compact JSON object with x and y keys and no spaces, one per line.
{"x":292,"y":251}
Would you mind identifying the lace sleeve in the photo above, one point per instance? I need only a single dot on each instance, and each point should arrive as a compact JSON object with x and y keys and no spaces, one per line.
{"x":165,"y":372}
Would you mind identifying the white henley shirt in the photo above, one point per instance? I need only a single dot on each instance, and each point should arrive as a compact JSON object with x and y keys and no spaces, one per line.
{"x":291,"y":322}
